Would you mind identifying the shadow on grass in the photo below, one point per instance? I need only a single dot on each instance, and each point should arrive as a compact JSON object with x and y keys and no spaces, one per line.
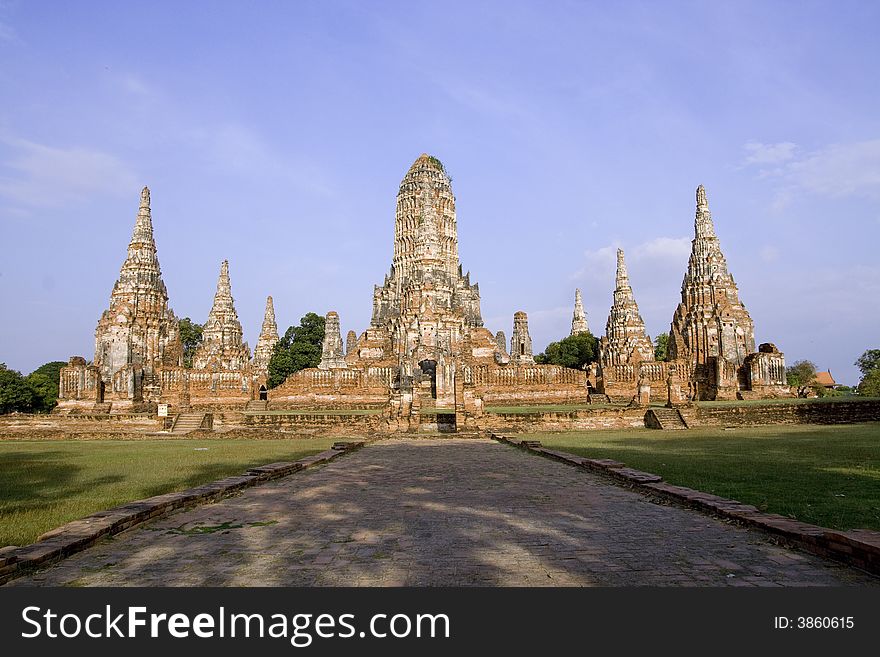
{"x":30,"y":482}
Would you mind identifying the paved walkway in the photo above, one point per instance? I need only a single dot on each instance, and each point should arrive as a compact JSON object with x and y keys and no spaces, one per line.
{"x":442,"y":512}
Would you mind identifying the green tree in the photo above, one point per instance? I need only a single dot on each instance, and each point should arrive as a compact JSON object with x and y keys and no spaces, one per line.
{"x":575,"y":351}
{"x":661,"y":347}
{"x":43,"y":381}
{"x":191,"y":338}
{"x":868,"y":361}
{"x":15,"y":393}
{"x":869,"y":386}
{"x":298,"y":349}
{"x":802,"y":375}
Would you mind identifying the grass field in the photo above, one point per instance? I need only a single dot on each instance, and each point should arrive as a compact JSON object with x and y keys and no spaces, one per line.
{"x":46,"y":484}
{"x":825,"y":475}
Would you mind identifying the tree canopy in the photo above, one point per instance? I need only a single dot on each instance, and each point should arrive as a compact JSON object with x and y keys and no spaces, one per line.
{"x":869,"y":365}
{"x":575,"y":351}
{"x":44,"y":383}
{"x":869,"y":386}
{"x":801,"y":375}
{"x":15,"y":393}
{"x":868,"y":361}
{"x":36,"y":392}
{"x":298,"y":349}
{"x":190,"y":338}
{"x":661,"y":347}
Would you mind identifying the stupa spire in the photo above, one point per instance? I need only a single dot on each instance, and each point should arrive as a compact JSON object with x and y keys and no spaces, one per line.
{"x":143,"y":226}
{"x":625,"y":341}
{"x":579,"y":317}
{"x":138,"y":315}
{"x":622,"y":278}
{"x":332,"y":356}
{"x":703,"y":226}
{"x":710,"y":321}
{"x":267,"y":340}
{"x":222,"y":346}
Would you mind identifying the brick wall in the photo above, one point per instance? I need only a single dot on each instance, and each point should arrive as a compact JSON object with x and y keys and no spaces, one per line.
{"x":754,"y":414}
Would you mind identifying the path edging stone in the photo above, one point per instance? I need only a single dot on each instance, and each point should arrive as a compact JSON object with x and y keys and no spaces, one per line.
{"x":858,"y":547}
{"x":78,"y":535}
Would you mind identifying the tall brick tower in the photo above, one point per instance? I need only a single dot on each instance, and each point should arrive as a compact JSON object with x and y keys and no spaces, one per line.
{"x":138,"y":329}
{"x":222,"y":347}
{"x":711,"y":332}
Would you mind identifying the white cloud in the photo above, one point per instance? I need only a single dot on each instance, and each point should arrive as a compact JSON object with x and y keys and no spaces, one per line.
{"x":840,"y":170}
{"x":758,"y":153}
{"x":662,"y":250}
{"x":660,"y":253}
{"x":37,"y":175}
{"x":834,"y":171}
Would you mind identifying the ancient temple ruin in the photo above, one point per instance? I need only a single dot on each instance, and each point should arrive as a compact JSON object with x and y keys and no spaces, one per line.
{"x":425,"y":359}
{"x":138,"y":360}
{"x":426,"y":352}
{"x":521,"y":341}
{"x":136,"y":336}
{"x":223,"y":346}
{"x":626,"y":353}
{"x":332,"y":355}
{"x":712,"y":337}
{"x":266,"y":341}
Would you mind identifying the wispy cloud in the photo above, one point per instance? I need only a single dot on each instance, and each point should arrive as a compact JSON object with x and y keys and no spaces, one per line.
{"x":764,"y":154}
{"x":239,"y":150}
{"x":662,"y":250}
{"x":37,"y":175}
{"x":837,"y":170}
{"x":136,"y":85}
{"x":649,"y":258}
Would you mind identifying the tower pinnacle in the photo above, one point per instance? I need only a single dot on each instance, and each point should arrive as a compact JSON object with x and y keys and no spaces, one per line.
{"x":622,"y":279}
{"x":703,"y":226}
{"x":579,"y":317}
{"x":143,"y":225}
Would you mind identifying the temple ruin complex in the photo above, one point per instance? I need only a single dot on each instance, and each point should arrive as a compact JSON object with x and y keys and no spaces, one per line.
{"x":426,"y":358}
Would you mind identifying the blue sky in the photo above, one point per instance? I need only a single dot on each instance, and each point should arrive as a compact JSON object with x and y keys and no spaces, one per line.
{"x":275,"y":134}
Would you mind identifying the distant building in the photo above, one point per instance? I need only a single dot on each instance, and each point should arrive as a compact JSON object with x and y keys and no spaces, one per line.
{"x":826,"y":380}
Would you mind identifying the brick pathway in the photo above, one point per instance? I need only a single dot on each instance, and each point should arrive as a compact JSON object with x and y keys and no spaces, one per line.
{"x":442,"y":512}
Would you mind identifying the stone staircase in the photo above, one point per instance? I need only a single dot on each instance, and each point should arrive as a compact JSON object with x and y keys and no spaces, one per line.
{"x":595,"y":398}
{"x":667,"y":419}
{"x":186,"y":422}
{"x":257,"y":405}
{"x":102,"y":408}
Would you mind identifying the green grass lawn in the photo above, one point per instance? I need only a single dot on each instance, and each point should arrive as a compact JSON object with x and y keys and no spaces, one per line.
{"x":45,"y":484}
{"x":827,"y":476}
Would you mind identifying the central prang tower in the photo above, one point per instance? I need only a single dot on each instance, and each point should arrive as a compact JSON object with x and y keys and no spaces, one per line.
{"x":426,"y":315}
